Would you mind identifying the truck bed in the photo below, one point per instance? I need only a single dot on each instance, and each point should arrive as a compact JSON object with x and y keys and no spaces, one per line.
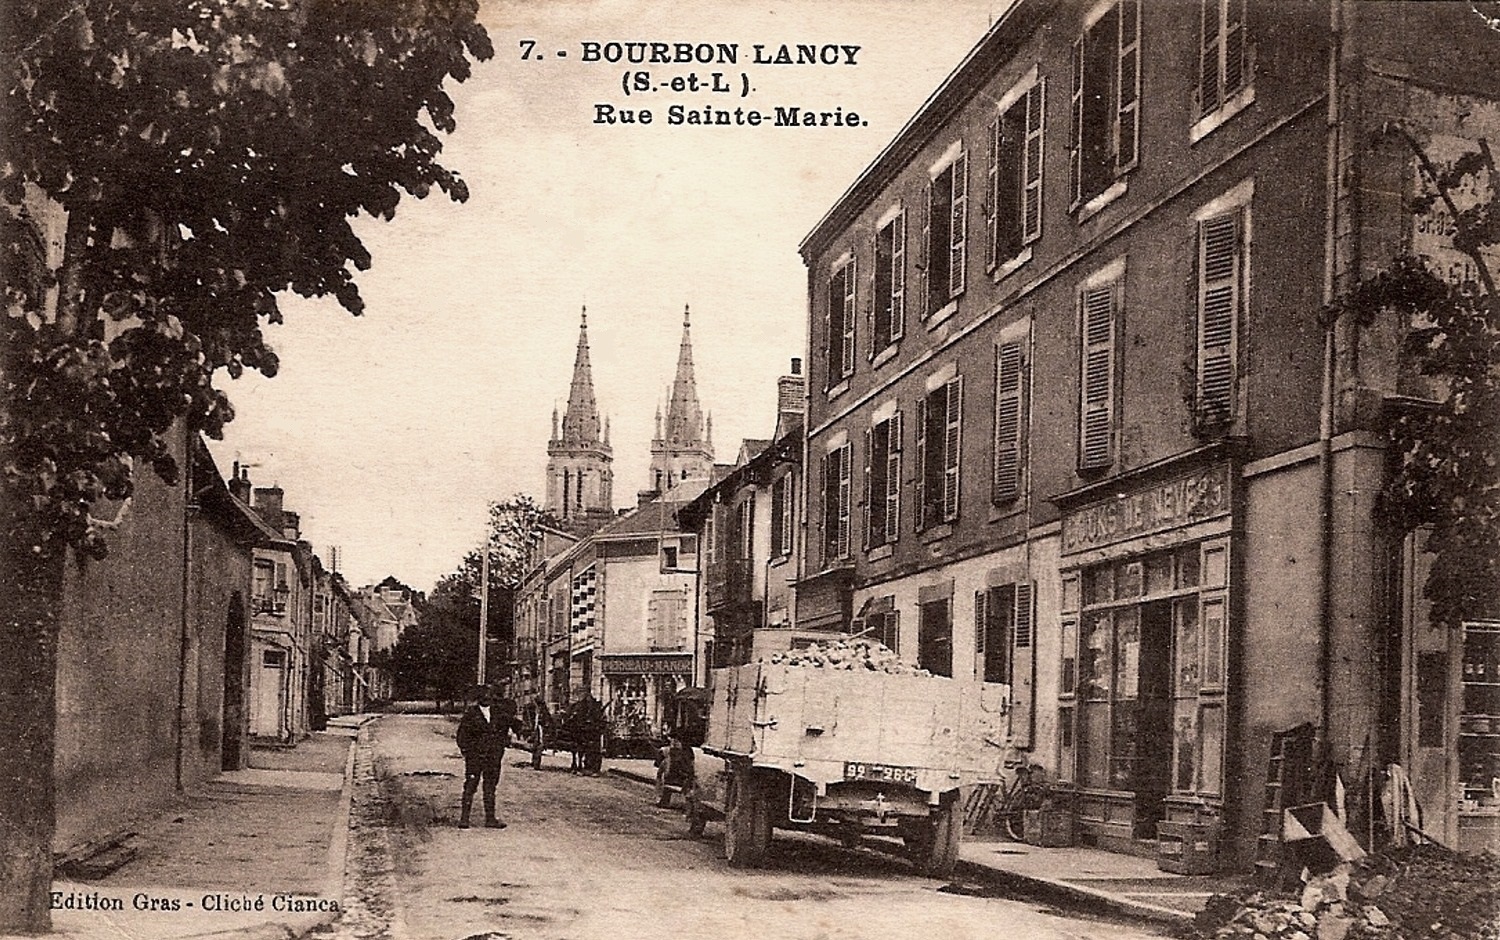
{"x":830,"y":725}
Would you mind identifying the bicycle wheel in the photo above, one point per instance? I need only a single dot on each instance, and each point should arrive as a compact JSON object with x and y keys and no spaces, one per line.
{"x":1015,"y":823}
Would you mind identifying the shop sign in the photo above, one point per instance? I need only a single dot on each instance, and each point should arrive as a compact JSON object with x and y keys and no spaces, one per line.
{"x":646,"y":665}
{"x":1194,"y":497}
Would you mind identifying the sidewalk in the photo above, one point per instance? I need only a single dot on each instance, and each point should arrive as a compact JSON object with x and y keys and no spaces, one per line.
{"x":1089,"y":879}
{"x":255,"y":853}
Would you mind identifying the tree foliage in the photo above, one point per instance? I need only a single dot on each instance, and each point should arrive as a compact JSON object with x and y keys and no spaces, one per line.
{"x":1447,"y":477}
{"x":209,"y":155}
{"x":515,"y":533}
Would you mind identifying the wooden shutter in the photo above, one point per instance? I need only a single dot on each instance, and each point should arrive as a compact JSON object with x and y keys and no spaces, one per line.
{"x":1010,"y":144}
{"x":778,"y":501}
{"x":1022,"y":666}
{"x":1031,"y":165}
{"x":924,"y":260}
{"x":893,"y":479}
{"x":851,"y":282}
{"x":788,"y":512}
{"x":1075,"y":127}
{"x":828,"y":487}
{"x":898,"y":275}
{"x":845,"y":457}
{"x":980,"y":626}
{"x":1208,"y":58}
{"x":953,"y":427}
{"x":1236,"y":66}
{"x":748,"y":506}
{"x":832,"y":356}
{"x":1128,"y":83}
{"x":1218,"y":309}
{"x":1097,"y":401}
{"x":919,"y":485}
{"x":992,"y":193}
{"x":959,"y":224}
{"x":1008,"y":392}
{"x":867,"y":536}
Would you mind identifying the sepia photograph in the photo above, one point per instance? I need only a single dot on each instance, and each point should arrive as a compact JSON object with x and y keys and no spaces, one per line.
{"x":824,"y":469}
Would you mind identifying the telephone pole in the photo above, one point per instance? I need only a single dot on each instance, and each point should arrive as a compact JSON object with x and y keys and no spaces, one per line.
{"x":484,"y":605}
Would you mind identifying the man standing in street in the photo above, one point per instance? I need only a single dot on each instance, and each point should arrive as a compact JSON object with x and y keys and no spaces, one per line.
{"x":483,"y":733}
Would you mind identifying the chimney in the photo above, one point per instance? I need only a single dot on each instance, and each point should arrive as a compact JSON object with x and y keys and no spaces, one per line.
{"x":291,"y":525}
{"x":239,"y":483}
{"x":268,"y":504}
{"x":791,"y":398}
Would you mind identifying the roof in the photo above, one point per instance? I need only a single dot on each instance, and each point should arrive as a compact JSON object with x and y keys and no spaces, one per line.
{"x":787,"y":448}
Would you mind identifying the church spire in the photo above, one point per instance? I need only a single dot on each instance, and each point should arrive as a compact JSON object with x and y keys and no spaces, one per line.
{"x":684,"y":417}
{"x":580,"y":423}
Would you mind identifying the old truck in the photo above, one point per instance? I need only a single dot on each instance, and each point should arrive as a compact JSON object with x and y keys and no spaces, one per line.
{"x":845,"y":749}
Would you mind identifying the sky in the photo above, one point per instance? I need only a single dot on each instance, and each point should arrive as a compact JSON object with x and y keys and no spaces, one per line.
{"x":390,"y":433}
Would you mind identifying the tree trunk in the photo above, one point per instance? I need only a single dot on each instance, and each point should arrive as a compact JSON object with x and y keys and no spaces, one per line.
{"x":30,"y":599}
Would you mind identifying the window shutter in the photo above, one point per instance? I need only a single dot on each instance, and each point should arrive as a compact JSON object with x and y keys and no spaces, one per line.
{"x":992,"y":194}
{"x":1128,"y":81}
{"x":1008,"y":390}
{"x":1236,"y":68}
{"x":1031,"y":165}
{"x":788,"y":512}
{"x":1208,"y":58}
{"x":898,"y":275}
{"x":845,"y":456}
{"x":653,"y":623}
{"x":1023,"y":667}
{"x":980,"y":597}
{"x":868,"y":536}
{"x":778,"y":499}
{"x":957,"y":233}
{"x":951,"y":447}
{"x":874,"y":303}
{"x":749,"y":504}
{"x":1075,"y":128}
{"x":893,"y":480}
{"x":828,"y":488}
{"x":925,"y":257}
{"x":851,"y":283}
{"x":919,"y":434}
{"x":832,"y":356}
{"x":1096,"y":421}
{"x":1218,"y":309}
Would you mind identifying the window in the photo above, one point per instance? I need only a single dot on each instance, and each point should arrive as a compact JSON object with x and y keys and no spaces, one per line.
{"x":883,"y":482}
{"x":781,"y":517}
{"x":666,"y":620}
{"x":1221,"y":272}
{"x":1226,"y":60}
{"x":669,"y":558}
{"x":1106,"y":101}
{"x":1003,"y":650}
{"x":935,"y":637}
{"x":744,"y":529}
{"x":835,"y":477}
{"x":945,"y":234}
{"x":885,"y":628}
{"x":1015,"y":176}
{"x":1099,"y":307}
{"x":1010,"y":422}
{"x":890,"y":283}
{"x":939,"y":416}
{"x":839,"y":323}
{"x":264,"y":584}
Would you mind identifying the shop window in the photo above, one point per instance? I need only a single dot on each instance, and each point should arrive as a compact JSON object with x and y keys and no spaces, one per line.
{"x":1188,"y":565}
{"x":1211,"y":726}
{"x":1157,"y":571}
{"x":1213,"y":644}
{"x":1479,"y":720}
{"x":1065,"y":743}
{"x":1068,"y":678}
{"x":1184,"y":745}
{"x":935,"y":637}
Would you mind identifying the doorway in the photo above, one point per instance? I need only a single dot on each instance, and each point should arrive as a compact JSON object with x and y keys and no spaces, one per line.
{"x":1153,"y":780}
{"x":233,"y":720}
{"x":270,"y":693}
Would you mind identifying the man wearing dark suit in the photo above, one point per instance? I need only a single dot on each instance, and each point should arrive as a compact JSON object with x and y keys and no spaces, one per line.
{"x":483,"y":732}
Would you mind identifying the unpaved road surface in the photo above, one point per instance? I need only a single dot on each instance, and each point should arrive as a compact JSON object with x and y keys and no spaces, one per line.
{"x":589,"y":858}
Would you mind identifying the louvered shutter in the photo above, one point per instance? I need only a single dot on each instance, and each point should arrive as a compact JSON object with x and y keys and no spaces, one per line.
{"x":1096,"y":431}
{"x":1075,"y":126}
{"x":788,"y":512}
{"x":874,"y":303}
{"x":846,"y":456}
{"x":951,"y":447}
{"x":959,"y":224}
{"x":832,"y":355}
{"x":992,"y":193}
{"x":898,"y":275}
{"x":1208,"y":58}
{"x":925,"y":257}
{"x":867,"y":536}
{"x":1031,"y":165}
{"x":1218,"y":309}
{"x":980,"y":625}
{"x":1022,"y":667}
{"x":893,"y":480}
{"x":749,"y":506}
{"x":851,"y":282}
{"x":1235,"y":65}
{"x":828,"y":488}
{"x":1008,"y":391}
{"x":1128,"y":83}
{"x":919,"y":485}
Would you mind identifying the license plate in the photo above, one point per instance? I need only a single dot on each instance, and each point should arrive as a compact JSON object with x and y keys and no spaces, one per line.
{"x":858,"y":770}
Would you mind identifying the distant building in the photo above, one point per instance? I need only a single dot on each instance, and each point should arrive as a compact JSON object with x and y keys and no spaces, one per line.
{"x":580,"y":478}
{"x":682,"y":448}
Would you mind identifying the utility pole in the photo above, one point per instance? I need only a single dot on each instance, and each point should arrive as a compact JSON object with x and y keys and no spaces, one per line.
{"x":484,"y":605}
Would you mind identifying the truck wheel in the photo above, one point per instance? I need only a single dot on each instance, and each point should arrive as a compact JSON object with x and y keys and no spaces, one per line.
{"x":696,"y":819}
{"x":747,"y":829}
{"x":945,"y":829}
{"x":663,"y":795}
{"x":536,"y":754}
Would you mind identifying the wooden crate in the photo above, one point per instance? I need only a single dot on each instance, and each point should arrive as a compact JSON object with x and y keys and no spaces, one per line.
{"x":1188,"y":848}
{"x":1049,"y":828}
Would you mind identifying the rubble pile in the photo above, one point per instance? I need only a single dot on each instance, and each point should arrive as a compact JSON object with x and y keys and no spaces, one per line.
{"x":1421,"y":892}
{"x":847,"y":655}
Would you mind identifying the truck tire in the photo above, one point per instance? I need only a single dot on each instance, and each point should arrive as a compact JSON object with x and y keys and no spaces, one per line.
{"x":747,"y":828}
{"x":536,"y":755}
{"x":945,"y":830}
{"x":663,"y":795}
{"x":696,"y":818}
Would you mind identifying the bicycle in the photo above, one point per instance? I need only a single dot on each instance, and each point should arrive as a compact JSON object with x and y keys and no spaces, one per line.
{"x":1005,"y":804}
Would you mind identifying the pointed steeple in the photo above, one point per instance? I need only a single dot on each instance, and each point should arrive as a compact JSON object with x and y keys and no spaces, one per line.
{"x":684,"y":417}
{"x":580,"y":423}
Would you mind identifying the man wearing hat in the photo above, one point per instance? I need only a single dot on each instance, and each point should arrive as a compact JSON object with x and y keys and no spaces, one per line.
{"x":483,"y":733}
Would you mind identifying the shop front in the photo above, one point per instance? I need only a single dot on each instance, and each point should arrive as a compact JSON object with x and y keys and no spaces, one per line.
{"x":1145,"y":683}
{"x":639,"y":690}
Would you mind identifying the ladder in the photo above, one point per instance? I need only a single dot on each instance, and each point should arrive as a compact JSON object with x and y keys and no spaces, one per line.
{"x":1289,"y":779}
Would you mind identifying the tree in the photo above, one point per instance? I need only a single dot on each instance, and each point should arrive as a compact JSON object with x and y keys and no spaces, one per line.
{"x":208,"y":155}
{"x":515,"y":532}
{"x":1447,"y":453}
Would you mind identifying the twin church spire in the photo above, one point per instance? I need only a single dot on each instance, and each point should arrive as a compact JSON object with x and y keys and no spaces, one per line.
{"x":580,"y":478}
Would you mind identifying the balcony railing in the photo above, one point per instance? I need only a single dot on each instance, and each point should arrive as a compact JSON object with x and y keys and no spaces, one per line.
{"x":731,"y":582}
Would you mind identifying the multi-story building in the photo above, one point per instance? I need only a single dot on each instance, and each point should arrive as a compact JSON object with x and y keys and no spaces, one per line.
{"x":1078,"y":422}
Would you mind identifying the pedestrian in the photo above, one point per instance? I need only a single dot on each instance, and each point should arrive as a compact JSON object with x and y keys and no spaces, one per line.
{"x":483,"y":732}
{"x":592,"y":725}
